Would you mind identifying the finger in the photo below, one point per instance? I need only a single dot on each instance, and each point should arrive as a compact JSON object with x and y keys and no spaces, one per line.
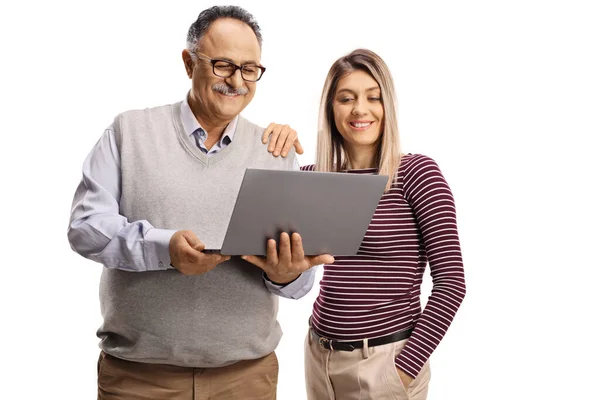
{"x":285,"y":132}
{"x":285,"y":249}
{"x":206,"y":262}
{"x":298,"y":146}
{"x":193,"y":240}
{"x":273,"y":139}
{"x":267,"y":132}
{"x":192,"y":256}
{"x":297,"y":248}
{"x":272,"y":257}
{"x":258,"y":261}
{"x":289,"y":142}
{"x":216,"y":258}
{"x":199,"y":247}
{"x":320,"y":259}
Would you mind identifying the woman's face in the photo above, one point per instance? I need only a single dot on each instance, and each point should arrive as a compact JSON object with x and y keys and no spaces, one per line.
{"x":358,"y":110}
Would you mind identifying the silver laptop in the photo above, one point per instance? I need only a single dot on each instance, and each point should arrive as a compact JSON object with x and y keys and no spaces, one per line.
{"x":331,"y":211}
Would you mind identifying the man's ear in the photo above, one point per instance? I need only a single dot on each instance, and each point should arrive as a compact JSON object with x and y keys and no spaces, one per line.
{"x":187,"y":62}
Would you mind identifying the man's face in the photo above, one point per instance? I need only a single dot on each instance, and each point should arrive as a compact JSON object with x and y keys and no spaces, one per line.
{"x":216,"y":98}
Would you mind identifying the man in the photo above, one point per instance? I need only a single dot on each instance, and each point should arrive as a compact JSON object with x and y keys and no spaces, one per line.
{"x":158,"y":188}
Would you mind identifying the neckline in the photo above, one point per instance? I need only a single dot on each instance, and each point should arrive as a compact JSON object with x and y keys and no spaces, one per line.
{"x":192,"y":149}
{"x":360,"y":170}
{"x":373,"y":169}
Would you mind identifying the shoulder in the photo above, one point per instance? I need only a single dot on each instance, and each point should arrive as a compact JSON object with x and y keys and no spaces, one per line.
{"x":137,"y":123}
{"x":416,"y":169}
{"x":250,"y":135}
{"x":145,"y":114}
{"x":412,"y":164}
{"x":247,"y":125}
{"x":251,"y":132}
{"x":421,"y":176}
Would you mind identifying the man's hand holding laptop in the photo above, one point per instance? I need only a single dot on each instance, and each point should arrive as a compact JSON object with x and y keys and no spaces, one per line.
{"x":286,"y":265}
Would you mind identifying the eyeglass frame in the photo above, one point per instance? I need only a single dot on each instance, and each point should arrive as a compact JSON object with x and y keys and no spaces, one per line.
{"x":213,"y":61}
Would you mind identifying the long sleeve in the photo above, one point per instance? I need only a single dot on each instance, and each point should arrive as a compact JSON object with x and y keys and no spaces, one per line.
{"x":98,"y":232}
{"x":296,"y":289}
{"x":433,"y":204}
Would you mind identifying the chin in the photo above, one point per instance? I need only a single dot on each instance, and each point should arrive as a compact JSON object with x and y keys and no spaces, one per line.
{"x":364,"y":140}
{"x":233,"y":109}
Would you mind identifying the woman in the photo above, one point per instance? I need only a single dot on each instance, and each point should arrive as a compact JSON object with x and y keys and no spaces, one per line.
{"x":368,"y":337}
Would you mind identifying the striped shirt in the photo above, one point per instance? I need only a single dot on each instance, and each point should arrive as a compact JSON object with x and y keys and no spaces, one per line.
{"x":377,"y":292}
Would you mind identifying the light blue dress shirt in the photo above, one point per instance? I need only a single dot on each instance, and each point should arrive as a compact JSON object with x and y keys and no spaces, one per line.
{"x":98,"y":232}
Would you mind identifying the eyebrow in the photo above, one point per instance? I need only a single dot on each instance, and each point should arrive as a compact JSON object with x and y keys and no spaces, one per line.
{"x":351,"y":91}
{"x":231,"y":61}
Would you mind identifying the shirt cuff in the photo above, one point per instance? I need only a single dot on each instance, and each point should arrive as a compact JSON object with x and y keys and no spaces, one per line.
{"x":296,"y":288}
{"x":279,"y":285}
{"x":406,"y":363}
{"x":156,"y":249}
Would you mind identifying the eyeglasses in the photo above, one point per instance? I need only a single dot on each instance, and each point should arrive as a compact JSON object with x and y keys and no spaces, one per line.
{"x":226,"y":69}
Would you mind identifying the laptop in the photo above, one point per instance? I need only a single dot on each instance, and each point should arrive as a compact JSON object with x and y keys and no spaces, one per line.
{"x":331,"y":211}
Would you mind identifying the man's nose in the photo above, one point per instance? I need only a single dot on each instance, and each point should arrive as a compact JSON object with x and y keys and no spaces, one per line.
{"x":235,"y":80}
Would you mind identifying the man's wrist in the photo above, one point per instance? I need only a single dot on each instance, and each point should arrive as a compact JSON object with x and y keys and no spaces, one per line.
{"x":281,"y":280}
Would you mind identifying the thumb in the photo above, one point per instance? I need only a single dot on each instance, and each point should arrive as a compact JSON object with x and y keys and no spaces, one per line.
{"x":322,"y":259}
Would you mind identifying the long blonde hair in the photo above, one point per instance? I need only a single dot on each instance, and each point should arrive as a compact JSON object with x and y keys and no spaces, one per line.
{"x":331,"y":154}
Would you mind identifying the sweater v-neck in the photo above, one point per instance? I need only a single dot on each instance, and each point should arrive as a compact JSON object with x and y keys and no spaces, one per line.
{"x":194,"y":150}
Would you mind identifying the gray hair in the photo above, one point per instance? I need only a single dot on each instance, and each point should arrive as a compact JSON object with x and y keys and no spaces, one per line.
{"x":210,"y":15}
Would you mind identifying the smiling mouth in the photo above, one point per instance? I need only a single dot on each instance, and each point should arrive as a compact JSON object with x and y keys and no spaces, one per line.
{"x":360,"y":124}
{"x":230,"y":95}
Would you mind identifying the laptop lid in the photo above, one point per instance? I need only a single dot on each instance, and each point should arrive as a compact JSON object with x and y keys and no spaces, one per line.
{"x":331,"y":211}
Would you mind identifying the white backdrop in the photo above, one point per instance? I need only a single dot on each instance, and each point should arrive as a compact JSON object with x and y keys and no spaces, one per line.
{"x":504,"y":95}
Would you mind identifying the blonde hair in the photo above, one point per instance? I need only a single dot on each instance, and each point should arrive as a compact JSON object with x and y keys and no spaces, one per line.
{"x":331,"y":154}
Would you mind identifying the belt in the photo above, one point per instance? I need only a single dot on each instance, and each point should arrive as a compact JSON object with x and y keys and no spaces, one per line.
{"x":331,"y":344}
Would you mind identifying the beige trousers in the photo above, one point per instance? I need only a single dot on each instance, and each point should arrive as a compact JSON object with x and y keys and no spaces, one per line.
{"x":362,"y":374}
{"x":126,"y":380}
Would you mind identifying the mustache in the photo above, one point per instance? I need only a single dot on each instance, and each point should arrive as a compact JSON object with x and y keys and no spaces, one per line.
{"x":228,"y":90}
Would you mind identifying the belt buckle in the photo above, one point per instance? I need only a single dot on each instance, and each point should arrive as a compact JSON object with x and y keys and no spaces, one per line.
{"x":325,"y":343}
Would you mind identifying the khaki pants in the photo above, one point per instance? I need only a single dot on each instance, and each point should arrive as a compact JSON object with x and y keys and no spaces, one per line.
{"x":362,"y":374}
{"x":126,"y":380}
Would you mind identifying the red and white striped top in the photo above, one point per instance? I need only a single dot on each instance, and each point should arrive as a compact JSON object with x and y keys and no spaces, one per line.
{"x":377,"y":292}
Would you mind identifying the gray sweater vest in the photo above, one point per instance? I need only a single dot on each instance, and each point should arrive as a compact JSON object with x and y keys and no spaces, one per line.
{"x":210,"y":320}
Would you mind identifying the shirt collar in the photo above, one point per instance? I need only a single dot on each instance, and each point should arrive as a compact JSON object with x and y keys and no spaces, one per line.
{"x":191,"y":125}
